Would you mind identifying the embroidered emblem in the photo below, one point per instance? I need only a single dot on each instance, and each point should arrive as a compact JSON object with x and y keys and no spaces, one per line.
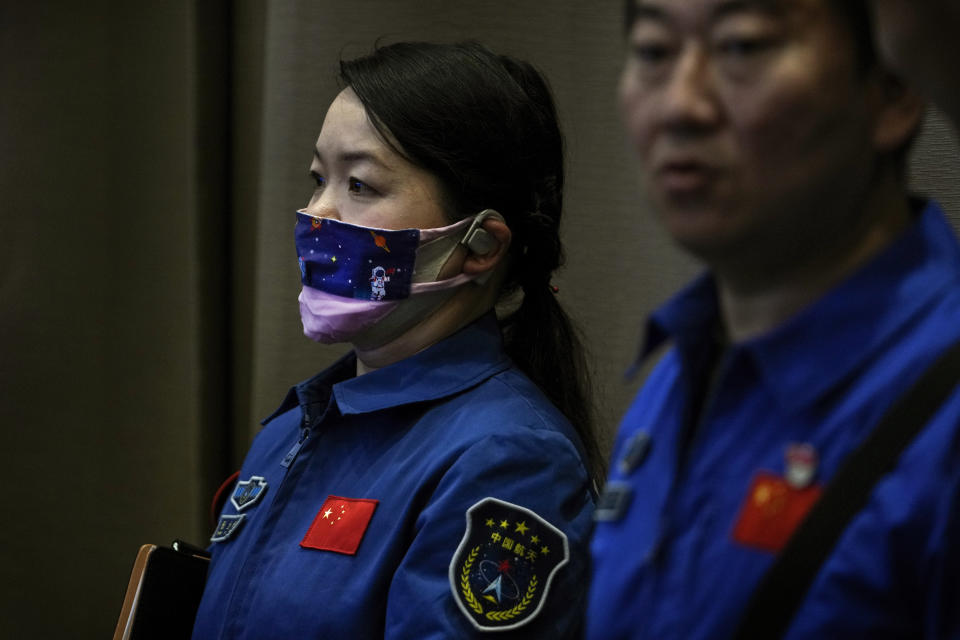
{"x":248,"y":492}
{"x":801,"y":465}
{"x":772,"y":511}
{"x":501,"y":572}
{"x":613,"y":502}
{"x":340,"y":524}
{"x":226,"y":527}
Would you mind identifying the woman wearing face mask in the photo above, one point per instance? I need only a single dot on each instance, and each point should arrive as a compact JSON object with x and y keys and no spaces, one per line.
{"x":436,"y":482}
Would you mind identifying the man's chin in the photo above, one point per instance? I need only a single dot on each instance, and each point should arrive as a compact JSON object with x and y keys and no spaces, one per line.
{"x":701,"y":231}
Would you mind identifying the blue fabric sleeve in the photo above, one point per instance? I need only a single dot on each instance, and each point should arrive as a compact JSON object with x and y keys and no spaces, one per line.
{"x":536,"y":469}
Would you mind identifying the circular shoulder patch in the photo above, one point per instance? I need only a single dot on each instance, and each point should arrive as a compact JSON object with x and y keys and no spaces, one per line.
{"x":501,"y":572}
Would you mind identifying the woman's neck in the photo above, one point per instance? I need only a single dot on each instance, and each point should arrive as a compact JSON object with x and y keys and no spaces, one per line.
{"x":462,"y":308}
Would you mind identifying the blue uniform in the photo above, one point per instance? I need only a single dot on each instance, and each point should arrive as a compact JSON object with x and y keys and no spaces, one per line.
{"x":671,"y":560}
{"x":411,"y":448}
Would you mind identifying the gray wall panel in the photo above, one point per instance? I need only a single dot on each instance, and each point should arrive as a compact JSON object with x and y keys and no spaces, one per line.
{"x":98,"y":348}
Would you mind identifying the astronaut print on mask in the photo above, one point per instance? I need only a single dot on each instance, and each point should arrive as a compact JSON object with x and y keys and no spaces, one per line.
{"x":355,"y":262}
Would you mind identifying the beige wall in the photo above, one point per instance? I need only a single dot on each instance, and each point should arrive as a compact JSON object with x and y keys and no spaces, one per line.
{"x":112,"y":294}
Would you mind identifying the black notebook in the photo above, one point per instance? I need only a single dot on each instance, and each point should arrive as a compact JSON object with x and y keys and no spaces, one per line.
{"x":163,"y":593}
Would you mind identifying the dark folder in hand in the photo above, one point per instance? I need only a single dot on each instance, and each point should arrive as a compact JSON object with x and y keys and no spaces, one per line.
{"x":163,"y":593}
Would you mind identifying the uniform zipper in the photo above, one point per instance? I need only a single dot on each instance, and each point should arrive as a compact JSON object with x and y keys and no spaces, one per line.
{"x":295,"y":449}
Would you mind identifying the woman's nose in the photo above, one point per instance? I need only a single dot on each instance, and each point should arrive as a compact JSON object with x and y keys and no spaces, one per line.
{"x":321,"y":206}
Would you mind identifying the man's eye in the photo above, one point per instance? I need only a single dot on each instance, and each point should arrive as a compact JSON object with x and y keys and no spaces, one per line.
{"x":360,"y":187}
{"x":650,"y":53}
{"x":744,"y":47}
{"x":319,"y":179}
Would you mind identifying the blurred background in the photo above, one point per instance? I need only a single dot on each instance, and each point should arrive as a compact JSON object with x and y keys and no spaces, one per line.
{"x":153,"y":154}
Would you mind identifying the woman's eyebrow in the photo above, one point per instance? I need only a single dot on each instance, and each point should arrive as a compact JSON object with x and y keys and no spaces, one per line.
{"x":363,"y":156}
{"x":354,"y":156}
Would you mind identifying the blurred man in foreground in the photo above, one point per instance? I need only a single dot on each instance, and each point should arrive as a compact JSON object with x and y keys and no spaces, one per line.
{"x":772,"y":144}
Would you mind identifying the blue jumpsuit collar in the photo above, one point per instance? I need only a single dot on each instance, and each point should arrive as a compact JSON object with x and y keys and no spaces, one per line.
{"x":463,"y":360}
{"x":848,"y":320}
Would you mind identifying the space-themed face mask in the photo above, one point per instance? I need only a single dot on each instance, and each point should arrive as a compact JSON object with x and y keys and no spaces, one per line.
{"x":374,"y":284}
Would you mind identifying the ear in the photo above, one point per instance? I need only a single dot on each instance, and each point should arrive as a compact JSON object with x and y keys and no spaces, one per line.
{"x":899,"y":115}
{"x":488,"y":247}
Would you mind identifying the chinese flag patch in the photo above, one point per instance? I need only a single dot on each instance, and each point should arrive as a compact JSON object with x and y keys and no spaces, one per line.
{"x":340,"y":525}
{"x":772,"y":511}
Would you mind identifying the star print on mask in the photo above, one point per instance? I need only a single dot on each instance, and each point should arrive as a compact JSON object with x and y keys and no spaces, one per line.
{"x":355,"y":262}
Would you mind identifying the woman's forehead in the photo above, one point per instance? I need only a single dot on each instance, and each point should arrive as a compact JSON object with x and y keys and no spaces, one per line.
{"x":348,"y":136}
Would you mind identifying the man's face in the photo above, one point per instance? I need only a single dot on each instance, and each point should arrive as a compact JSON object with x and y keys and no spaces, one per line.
{"x":753,"y":124}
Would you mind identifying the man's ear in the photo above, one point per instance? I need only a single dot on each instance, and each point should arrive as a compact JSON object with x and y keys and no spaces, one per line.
{"x":900,"y":113}
{"x":488,"y":247}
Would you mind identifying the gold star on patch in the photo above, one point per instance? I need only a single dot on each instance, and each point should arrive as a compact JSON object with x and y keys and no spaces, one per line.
{"x":534,"y":539}
{"x":504,"y":524}
{"x":489,"y":522}
{"x":544,"y":550}
{"x":522,"y":527}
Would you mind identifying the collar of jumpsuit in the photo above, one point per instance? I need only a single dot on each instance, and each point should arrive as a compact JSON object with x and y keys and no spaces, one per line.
{"x":480,"y":355}
{"x":847,"y":324}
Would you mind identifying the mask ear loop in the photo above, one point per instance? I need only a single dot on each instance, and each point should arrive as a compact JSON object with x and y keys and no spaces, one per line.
{"x":478,"y":240}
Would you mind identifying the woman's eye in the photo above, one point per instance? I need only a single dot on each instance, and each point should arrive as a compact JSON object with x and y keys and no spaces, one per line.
{"x":360,"y":187}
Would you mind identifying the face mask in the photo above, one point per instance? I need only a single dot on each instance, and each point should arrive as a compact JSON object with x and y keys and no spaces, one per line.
{"x":371,"y":285}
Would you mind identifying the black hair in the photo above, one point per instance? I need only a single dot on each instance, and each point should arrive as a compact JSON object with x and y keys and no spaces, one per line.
{"x":859,"y":20}
{"x":486,"y":126}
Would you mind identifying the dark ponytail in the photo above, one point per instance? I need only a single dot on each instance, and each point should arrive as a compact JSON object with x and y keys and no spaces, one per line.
{"x":486,"y":126}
